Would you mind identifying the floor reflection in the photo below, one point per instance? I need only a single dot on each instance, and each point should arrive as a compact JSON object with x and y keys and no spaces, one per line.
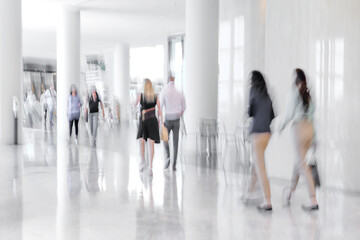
{"x":68,"y":211}
{"x":92,"y":173}
{"x":11,"y":197}
{"x":100,"y":194}
{"x":74,"y":175}
{"x":41,"y":143}
{"x":159,"y":221}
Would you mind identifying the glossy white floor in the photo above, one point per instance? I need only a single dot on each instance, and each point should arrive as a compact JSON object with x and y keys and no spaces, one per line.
{"x":99,"y":194}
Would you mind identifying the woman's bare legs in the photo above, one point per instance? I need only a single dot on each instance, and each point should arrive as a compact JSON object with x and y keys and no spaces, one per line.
{"x":142,"y":152}
{"x":253,"y":179}
{"x":151,"y":149}
{"x":260,"y":142}
{"x":304,"y":136}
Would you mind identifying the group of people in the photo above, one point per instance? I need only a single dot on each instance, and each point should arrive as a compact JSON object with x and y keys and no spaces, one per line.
{"x":300,"y":111}
{"x":173,"y":102}
{"x":91,"y":113}
{"x":37,"y":110}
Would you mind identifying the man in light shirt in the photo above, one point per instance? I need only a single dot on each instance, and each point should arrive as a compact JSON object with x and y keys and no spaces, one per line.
{"x":174,"y":103}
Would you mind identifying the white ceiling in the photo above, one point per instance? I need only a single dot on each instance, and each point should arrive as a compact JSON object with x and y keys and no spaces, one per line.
{"x":103,"y":23}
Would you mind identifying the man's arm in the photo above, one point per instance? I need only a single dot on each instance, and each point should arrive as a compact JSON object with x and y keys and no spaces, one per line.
{"x":162,"y":100}
{"x":183,"y":105}
{"x":159,"y":111}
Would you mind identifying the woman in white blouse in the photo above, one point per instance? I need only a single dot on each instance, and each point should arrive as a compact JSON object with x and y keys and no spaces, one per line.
{"x":300,"y":111}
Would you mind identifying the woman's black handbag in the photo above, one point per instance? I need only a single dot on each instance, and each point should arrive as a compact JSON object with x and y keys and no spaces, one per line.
{"x":315,"y":173}
{"x":313,"y":166}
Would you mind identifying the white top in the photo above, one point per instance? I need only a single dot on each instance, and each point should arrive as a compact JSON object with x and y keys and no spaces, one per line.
{"x":31,"y":98}
{"x":295,"y":110}
{"x":173,"y":101}
{"x":50,"y":98}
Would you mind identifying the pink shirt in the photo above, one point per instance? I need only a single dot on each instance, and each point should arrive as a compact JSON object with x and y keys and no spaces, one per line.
{"x":173,"y":101}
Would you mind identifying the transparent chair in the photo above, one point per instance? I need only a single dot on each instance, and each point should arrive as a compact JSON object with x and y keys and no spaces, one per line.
{"x":211,"y":144}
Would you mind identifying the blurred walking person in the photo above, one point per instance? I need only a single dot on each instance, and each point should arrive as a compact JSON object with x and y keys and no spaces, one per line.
{"x":300,"y":111}
{"x":44,"y":106}
{"x":51,"y":103}
{"x":261,"y":110}
{"x":148,"y":124}
{"x":31,"y":100}
{"x":94,"y":101}
{"x":74,"y":106}
{"x":174,"y":103}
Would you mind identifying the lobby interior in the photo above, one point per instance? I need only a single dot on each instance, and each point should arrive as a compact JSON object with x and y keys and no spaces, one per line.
{"x":52,"y":187}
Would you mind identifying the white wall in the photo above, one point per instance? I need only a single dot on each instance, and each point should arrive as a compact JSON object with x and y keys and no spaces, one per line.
{"x":334,"y":53}
{"x":241,"y":49}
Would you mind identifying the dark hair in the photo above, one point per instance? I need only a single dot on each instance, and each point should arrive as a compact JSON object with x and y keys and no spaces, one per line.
{"x":73,"y":87}
{"x":304,"y":91}
{"x":258,"y":82}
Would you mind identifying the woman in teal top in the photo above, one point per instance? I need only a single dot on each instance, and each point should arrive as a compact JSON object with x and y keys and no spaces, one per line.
{"x":300,"y":111}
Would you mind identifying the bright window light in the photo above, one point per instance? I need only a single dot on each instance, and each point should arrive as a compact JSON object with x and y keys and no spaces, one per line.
{"x":147,"y":62}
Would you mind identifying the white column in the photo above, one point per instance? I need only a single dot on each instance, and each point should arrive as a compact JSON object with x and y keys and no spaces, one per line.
{"x":68,"y":64}
{"x":122,"y":79}
{"x":10,"y":69}
{"x":201,"y":59}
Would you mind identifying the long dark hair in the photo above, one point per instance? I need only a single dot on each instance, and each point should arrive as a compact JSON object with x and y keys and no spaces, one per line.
{"x":303,"y":90}
{"x":258,"y":82}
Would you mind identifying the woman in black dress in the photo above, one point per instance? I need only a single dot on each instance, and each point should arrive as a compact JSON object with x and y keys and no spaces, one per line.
{"x":149,"y":123}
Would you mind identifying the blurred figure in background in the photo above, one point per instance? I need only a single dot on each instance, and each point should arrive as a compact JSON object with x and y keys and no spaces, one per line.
{"x":85,"y":109}
{"x":31,"y":109}
{"x":74,"y":106}
{"x":44,"y":106}
{"x":261,"y":110}
{"x":148,"y":124}
{"x":51,"y":103}
{"x":301,"y":110}
{"x":174,"y":103}
{"x":94,"y":101}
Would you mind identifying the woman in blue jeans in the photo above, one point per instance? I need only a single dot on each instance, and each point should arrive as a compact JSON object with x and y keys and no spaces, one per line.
{"x":74,"y":106}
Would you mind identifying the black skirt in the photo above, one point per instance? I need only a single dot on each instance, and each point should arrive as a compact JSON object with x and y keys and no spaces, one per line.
{"x":149,"y":129}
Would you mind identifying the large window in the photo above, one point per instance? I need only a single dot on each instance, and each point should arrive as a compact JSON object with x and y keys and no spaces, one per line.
{"x":147,"y":62}
{"x":176,"y":59}
{"x":231,"y":91}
